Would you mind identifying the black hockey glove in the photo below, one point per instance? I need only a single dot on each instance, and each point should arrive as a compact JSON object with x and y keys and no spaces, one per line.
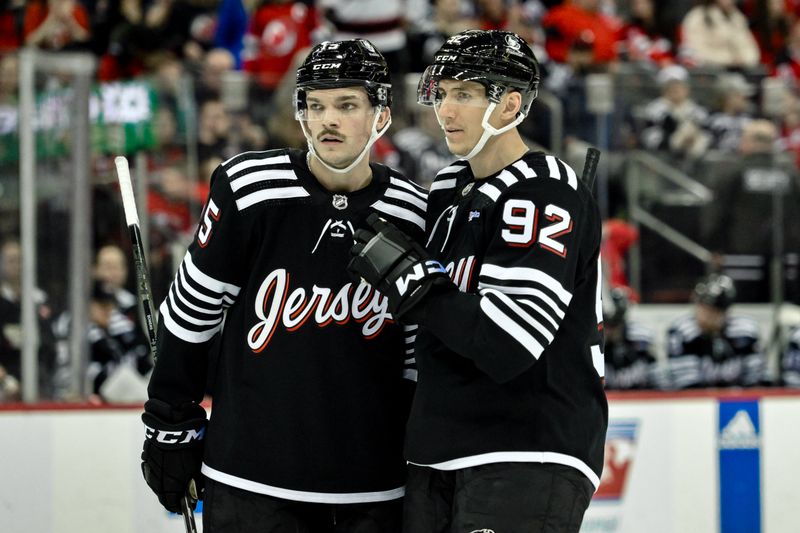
{"x":173,"y":450}
{"x":395,"y":265}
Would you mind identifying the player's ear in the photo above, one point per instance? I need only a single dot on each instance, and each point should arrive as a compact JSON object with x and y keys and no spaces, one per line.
{"x":512,"y":103}
{"x":386,"y":113}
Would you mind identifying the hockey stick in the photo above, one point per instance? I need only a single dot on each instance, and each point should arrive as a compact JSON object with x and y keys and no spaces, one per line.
{"x":590,"y":166}
{"x":145,"y":296}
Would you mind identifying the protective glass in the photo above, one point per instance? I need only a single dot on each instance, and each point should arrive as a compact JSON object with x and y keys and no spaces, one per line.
{"x":430,"y":93}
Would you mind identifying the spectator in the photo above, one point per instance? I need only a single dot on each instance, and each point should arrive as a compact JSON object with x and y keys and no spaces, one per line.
{"x":642,"y":39}
{"x":111,"y":267}
{"x":56,"y":24}
{"x":740,"y":227}
{"x":580,"y":21}
{"x":12,"y":17}
{"x":787,"y":63}
{"x":728,"y":122}
{"x":11,"y":339}
{"x":618,"y":237}
{"x":216,"y":63}
{"x":119,"y":354}
{"x":716,"y":34}
{"x":630,"y":363}
{"x":790,"y":362}
{"x":713,"y":348}
{"x":232,"y":21}
{"x":379,"y":21}
{"x":278,"y":30}
{"x":447,"y":18}
{"x":674,"y":122}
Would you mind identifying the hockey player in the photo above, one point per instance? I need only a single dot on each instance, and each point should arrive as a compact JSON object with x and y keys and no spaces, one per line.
{"x":508,"y":424}
{"x":630,"y":363}
{"x":790,"y":361}
{"x":712,"y":348}
{"x":312,"y":386}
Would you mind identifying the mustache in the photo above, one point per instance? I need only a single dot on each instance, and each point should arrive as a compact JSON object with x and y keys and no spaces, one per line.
{"x":329,"y":133}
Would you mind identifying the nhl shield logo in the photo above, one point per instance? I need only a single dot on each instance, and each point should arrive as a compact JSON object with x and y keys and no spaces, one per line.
{"x":339,"y":201}
{"x":467,"y":188}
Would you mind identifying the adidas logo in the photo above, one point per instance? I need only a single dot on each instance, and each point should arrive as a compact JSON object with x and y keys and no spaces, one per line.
{"x":739,"y":433}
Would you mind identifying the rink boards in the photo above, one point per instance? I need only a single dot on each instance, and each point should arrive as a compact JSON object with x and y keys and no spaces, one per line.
{"x":703,"y":462}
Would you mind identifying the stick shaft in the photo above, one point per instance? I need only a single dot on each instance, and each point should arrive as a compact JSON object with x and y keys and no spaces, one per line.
{"x":590,"y":166}
{"x":143,"y":288}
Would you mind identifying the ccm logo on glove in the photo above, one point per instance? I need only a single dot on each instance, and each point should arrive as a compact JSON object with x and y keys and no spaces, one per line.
{"x":173,"y":437}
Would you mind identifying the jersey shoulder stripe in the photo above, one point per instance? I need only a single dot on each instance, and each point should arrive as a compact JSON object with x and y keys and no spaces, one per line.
{"x":403,"y":199}
{"x":262,"y":177}
{"x":445,"y":178}
{"x":532,"y":166}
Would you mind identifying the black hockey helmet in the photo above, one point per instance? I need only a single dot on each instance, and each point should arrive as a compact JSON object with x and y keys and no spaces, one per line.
{"x":499,"y":60}
{"x":616,"y":309}
{"x":716,"y":290}
{"x":335,"y":64}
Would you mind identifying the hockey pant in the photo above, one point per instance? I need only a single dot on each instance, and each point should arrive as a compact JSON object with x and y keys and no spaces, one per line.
{"x":496,"y":498}
{"x":228,"y":509}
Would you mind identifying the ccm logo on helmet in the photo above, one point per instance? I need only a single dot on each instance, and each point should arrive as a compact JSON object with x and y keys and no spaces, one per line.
{"x":446,"y":58}
{"x":173,"y":437}
{"x":324,"y":66}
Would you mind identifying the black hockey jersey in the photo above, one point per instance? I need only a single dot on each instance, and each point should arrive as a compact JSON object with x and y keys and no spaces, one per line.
{"x":698,"y":359}
{"x":630,"y":363}
{"x":510,"y":364}
{"x":790,"y":361}
{"x":311,"y":389}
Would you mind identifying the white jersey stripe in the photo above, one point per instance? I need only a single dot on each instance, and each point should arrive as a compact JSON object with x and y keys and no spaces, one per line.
{"x":406,"y":197}
{"x":182,"y":333}
{"x":552,"y":165}
{"x":176,"y":286}
{"x":508,"y":178}
{"x":406,"y":185}
{"x":526,"y":274}
{"x":526,"y":291}
{"x":400,"y":212}
{"x":262,"y":175}
{"x":188,"y":318}
{"x":270,"y":194}
{"x":302,"y":496}
{"x":544,"y":314}
{"x":452,"y":169}
{"x":510,"y":326}
{"x":207,"y":281}
{"x":250,"y":163}
{"x":440,"y":185}
{"x":522,"y":314}
{"x":518,"y":457}
{"x":526,"y":170}
{"x":572,"y":179}
{"x":490,"y":190}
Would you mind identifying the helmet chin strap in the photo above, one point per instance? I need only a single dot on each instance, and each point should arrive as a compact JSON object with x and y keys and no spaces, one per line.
{"x":374,"y":136}
{"x":488,"y":130}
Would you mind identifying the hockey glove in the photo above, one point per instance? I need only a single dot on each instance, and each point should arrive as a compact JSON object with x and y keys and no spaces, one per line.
{"x":173,"y":450}
{"x":395,"y":265}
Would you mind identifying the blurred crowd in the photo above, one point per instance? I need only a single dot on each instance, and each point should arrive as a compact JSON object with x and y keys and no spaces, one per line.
{"x":711,"y":88}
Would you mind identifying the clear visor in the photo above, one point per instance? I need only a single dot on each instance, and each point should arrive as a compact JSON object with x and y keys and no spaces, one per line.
{"x":441,"y":85}
{"x":311,"y":106}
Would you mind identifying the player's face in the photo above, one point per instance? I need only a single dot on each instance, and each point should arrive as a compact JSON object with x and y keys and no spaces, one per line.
{"x":339,"y":122}
{"x":709,"y":318}
{"x":460,"y":106}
